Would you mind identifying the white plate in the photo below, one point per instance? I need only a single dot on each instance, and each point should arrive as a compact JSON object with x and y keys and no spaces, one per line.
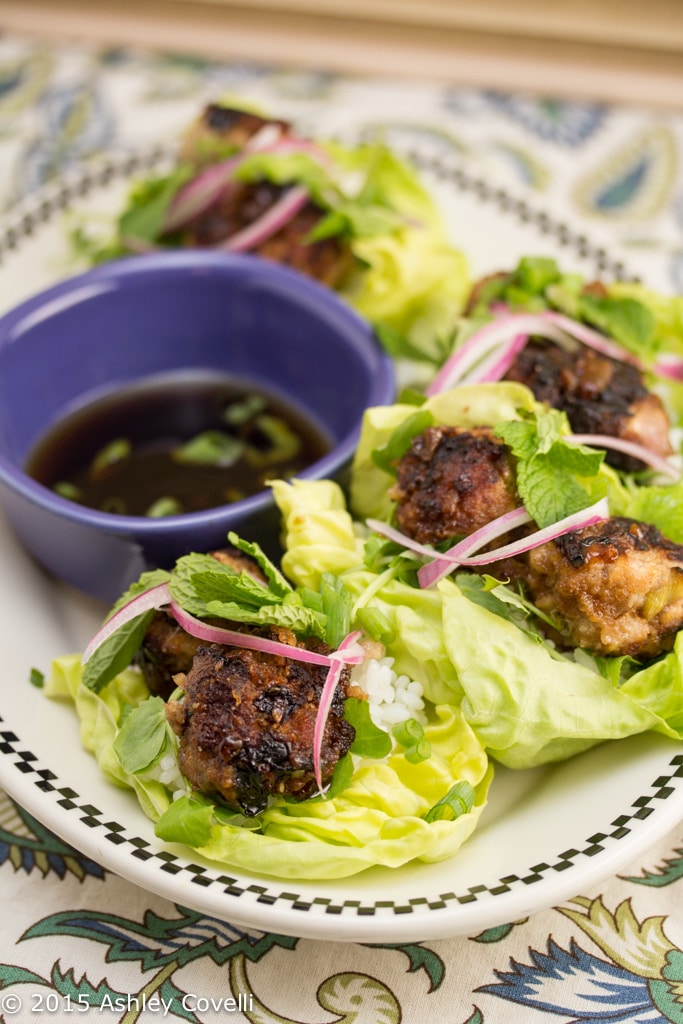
{"x":547,"y":834}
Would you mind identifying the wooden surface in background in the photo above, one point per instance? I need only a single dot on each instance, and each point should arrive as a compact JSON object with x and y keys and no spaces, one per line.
{"x":586,"y":50}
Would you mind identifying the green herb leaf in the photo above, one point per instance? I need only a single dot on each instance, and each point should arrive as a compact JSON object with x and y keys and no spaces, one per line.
{"x":144,"y":217}
{"x":116,"y":653}
{"x":370,"y":741}
{"x":142,"y":736}
{"x":401,"y":439}
{"x":341,"y":777}
{"x":337,"y":603}
{"x":301,"y":620}
{"x":277,"y":583}
{"x":535,"y":273}
{"x":37,"y":678}
{"x":187,"y":820}
{"x":625,"y":319}
{"x":548,"y":466}
{"x":149,"y":579}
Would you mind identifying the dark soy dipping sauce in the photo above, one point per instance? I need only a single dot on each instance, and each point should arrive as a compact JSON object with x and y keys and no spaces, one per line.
{"x":175,"y":445}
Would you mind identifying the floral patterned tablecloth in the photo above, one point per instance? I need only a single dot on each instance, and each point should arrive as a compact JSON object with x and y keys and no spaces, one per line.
{"x":75,"y":939}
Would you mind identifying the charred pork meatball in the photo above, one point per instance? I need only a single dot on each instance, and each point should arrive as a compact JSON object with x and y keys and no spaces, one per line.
{"x":327,"y":260}
{"x":246,"y":724}
{"x":615,"y":588}
{"x":221,"y":129}
{"x":451,"y":482}
{"x":599,"y":395}
{"x":167,"y":649}
{"x":224,"y":127}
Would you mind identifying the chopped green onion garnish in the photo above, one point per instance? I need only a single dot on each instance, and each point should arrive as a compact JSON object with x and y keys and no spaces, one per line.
{"x":458,"y":800}
{"x":68,"y":490}
{"x":211,"y":448}
{"x":336,"y":605}
{"x":409,"y":732}
{"x":376,"y":624}
{"x":115,"y":451}
{"x":281,"y":441}
{"x":241,"y":412}
{"x":419,"y":752}
{"x":166,"y":506}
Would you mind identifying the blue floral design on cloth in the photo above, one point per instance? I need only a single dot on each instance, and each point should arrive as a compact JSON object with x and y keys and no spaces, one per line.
{"x":565,"y":123}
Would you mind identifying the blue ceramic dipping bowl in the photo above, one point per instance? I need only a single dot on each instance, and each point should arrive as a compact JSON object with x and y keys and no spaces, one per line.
{"x":172,"y":312}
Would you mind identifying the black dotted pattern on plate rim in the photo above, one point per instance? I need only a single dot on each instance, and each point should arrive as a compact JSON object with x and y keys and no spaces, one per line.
{"x":28,"y":215}
{"x":23,"y":224}
{"x":28,"y":764}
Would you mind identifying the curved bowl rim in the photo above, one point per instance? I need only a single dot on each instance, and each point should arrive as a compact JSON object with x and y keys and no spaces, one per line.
{"x":382,"y":386}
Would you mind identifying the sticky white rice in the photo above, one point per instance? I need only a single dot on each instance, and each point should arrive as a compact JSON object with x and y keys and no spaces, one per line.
{"x":392,"y":698}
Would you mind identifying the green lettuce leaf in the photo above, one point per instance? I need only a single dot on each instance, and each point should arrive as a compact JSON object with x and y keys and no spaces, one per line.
{"x":378,"y":818}
{"x":526,"y":703}
{"x":529,"y":707}
{"x":466,"y":406}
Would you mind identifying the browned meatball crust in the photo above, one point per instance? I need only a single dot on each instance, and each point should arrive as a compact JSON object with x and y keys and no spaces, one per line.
{"x":599,"y":395}
{"x":167,"y":649}
{"x":246,"y":724}
{"x":451,"y":482}
{"x":225,"y":126}
{"x":327,"y":260}
{"x":615,"y":588}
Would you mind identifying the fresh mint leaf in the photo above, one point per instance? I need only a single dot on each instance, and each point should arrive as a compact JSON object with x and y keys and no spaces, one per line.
{"x":301,"y":620}
{"x":341,"y":777}
{"x":144,"y":218}
{"x":142,"y":736}
{"x":625,"y":319}
{"x":146,"y":581}
{"x":37,"y":678}
{"x":356,"y":220}
{"x":548,"y":491}
{"x":475,"y":589}
{"x":549,"y":468}
{"x":370,"y":741}
{"x":276,"y":581}
{"x":401,"y":439}
{"x":535,"y":273}
{"x":116,"y":653}
{"x":289,"y":168}
{"x":240,"y":587}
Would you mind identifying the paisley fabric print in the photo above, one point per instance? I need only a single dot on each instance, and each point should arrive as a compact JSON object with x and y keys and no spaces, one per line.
{"x":75,"y":936}
{"x":22,"y":81}
{"x":562,"y":122}
{"x":75,"y":123}
{"x":636,"y":180}
{"x":529,"y":169}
